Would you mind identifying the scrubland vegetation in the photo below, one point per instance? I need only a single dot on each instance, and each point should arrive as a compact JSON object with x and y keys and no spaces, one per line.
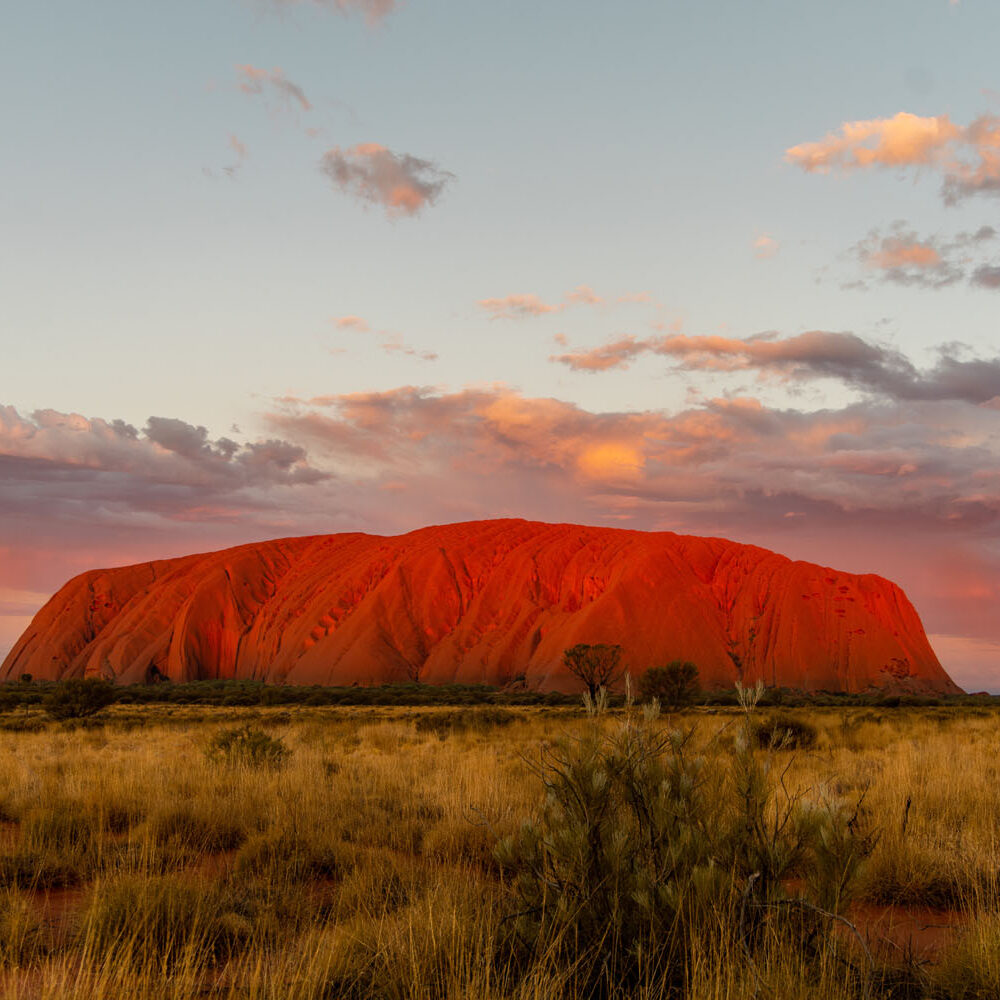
{"x":499,"y":851}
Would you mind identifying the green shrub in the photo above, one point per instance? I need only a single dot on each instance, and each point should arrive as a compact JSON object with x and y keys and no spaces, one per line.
{"x":674,"y":685}
{"x":644,"y":848}
{"x":185,"y":830}
{"x":245,"y":746}
{"x":785,"y":732}
{"x":463,"y":719}
{"x":165,"y":917}
{"x":79,"y":698}
{"x":284,"y":856}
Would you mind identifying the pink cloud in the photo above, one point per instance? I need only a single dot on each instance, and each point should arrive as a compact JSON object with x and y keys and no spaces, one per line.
{"x":351,"y":323}
{"x":902,"y":257}
{"x":765,"y":246}
{"x":373,"y":11}
{"x":400,"y":183}
{"x":391,"y":343}
{"x":615,"y":354}
{"x":895,"y":253}
{"x":253,"y":80}
{"x":584,"y":295}
{"x":967,"y":156}
{"x":518,"y":307}
{"x":522,"y":306}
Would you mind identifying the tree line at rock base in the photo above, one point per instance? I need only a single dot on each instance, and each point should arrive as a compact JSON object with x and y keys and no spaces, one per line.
{"x":76,"y":698}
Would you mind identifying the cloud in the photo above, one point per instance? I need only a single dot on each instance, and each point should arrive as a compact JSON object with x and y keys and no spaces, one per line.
{"x":522,"y":306}
{"x":166,"y":451}
{"x":350,"y":323}
{"x":987,"y":276}
{"x":869,"y":368}
{"x":855,"y":457}
{"x":765,"y":246}
{"x":391,"y":343}
{"x":968,"y":157}
{"x":518,"y":307}
{"x":901,"y":257}
{"x":400,"y":183}
{"x":373,"y":11}
{"x":254,"y":80}
{"x":394,"y":344}
{"x":584,"y":295}
{"x":904,"y":259}
{"x":615,"y":354}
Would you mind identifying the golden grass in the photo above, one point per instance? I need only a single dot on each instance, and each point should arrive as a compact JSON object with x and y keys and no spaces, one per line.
{"x":133,"y":864}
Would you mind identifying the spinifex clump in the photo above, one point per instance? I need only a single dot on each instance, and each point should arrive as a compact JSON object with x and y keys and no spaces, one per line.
{"x":645,"y":846}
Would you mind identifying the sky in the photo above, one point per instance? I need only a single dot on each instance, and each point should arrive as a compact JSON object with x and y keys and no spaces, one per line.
{"x":277,"y":267}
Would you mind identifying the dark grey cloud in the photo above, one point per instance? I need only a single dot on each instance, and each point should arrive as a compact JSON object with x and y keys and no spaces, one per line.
{"x":870,"y":368}
{"x":987,"y":276}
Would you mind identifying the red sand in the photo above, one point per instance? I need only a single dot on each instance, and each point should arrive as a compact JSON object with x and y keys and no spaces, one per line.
{"x":482,"y":601}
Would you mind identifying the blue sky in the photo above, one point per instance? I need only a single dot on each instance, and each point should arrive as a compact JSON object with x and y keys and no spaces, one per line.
{"x":638,"y":150}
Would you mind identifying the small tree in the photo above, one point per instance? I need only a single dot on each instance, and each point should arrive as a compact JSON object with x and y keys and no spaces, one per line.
{"x":597,"y":666}
{"x":77,"y":698}
{"x":673,"y":685}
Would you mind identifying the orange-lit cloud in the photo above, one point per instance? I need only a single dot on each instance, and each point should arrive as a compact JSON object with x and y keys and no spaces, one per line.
{"x":525,"y":305}
{"x":902,"y":257}
{"x":253,"y":81}
{"x":967,"y":156}
{"x":614,"y":354}
{"x":584,"y":295}
{"x":896,"y":253}
{"x":391,"y":343}
{"x":901,"y":141}
{"x":518,"y":306}
{"x":400,"y":183}
{"x":351,"y":323}
{"x":765,"y":246}
{"x":373,"y":11}
{"x":394,"y":344}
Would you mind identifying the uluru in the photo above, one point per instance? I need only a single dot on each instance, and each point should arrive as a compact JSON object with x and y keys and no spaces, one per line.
{"x":482,"y":602}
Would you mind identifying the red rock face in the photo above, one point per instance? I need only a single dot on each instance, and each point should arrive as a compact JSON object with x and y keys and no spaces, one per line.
{"x":484,"y":601}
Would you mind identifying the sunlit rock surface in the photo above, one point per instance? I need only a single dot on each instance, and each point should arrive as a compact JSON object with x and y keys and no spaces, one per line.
{"x":485,"y":601}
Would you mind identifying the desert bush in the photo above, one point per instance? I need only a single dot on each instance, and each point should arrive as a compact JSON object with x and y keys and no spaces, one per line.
{"x":22,"y":936}
{"x":79,"y":698}
{"x":673,"y":685}
{"x":165,"y":917}
{"x":245,"y":746}
{"x":598,"y":666}
{"x":186,"y":829}
{"x":785,"y":732}
{"x":284,"y":855}
{"x":644,"y":845}
{"x":443,"y":724}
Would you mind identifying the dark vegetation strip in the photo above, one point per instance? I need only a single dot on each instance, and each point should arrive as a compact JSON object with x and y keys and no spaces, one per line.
{"x":231,"y":693}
